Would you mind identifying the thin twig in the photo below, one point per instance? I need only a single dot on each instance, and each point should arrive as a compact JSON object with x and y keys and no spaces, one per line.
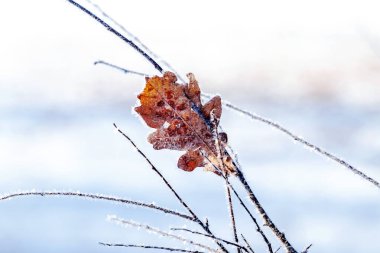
{"x":136,"y":40}
{"x":232,"y":215}
{"x":248,"y":245}
{"x":126,"y":71}
{"x":255,"y":201}
{"x":213,"y":237}
{"x":304,"y":142}
{"x":148,"y":247}
{"x":307,"y":249}
{"x":160,"y":232}
{"x":268,"y":222}
{"x":195,"y":217}
{"x":230,"y":149}
{"x":240,"y":175}
{"x":258,"y":228}
{"x":272,"y":226}
{"x":278,"y":249}
{"x":118,"y":34}
{"x":114,"y":66}
{"x":98,"y":197}
{"x":214,"y":121}
{"x":157,"y":172}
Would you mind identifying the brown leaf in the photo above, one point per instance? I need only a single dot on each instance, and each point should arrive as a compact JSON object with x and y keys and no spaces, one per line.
{"x":190,"y":160}
{"x":182,"y":122}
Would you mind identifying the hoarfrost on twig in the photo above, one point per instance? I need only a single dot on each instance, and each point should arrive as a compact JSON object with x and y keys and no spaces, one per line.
{"x":95,"y":197}
{"x":120,"y":221}
{"x":149,"y":247}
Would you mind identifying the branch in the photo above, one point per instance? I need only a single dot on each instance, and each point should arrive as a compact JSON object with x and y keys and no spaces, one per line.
{"x":98,"y":197}
{"x":148,"y":247}
{"x":112,"y":30}
{"x":136,"y":40}
{"x":307,"y":249}
{"x":160,"y":232}
{"x":268,"y":222}
{"x":126,"y":71}
{"x":232,"y":215}
{"x":258,"y":228}
{"x":304,"y":142}
{"x":221,"y":164}
{"x":156,"y":171}
{"x":213,"y":237}
{"x":248,"y":245}
{"x":278,"y":249}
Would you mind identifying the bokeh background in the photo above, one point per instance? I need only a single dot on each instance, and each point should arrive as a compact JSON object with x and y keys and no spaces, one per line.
{"x":313,"y":66}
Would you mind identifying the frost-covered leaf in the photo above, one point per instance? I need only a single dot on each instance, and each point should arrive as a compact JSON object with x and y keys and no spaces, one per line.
{"x":182,"y":122}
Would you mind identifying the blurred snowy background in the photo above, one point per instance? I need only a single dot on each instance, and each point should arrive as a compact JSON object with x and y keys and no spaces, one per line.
{"x":313,"y":66}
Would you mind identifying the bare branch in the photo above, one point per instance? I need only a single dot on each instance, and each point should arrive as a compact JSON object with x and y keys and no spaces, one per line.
{"x":278,"y":249}
{"x":221,"y":164}
{"x":156,"y":171}
{"x":304,"y":142}
{"x":148,"y":247}
{"x":268,"y":222}
{"x":232,"y":215}
{"x":248,"y":245}
{"x":307,"y":249}
{"x":98,"y":197}
{"x":160,"y":232}
{"x":213,"y":237}
{"x":136,"y":40}
{"x":126,"y":71}
{"x":118,"y":34}
{"x":258,"y":228}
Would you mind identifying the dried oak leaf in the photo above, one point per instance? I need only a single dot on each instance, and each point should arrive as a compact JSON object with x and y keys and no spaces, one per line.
{"x":183,"y":123}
